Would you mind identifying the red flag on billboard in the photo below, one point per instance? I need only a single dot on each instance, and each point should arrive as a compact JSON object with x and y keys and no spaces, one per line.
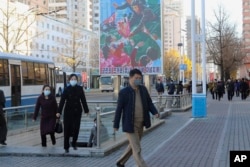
{"x":110,"y":19}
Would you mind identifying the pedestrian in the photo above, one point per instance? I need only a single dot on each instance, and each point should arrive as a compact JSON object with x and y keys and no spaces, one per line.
{"x":159,"y":87}
{"x":230,"y":89}
{"x":72,"y":100}
{"x":3,"y":124}
{"x":244,"y":89}
{"x":48,"y":105}
{"x":179,"y":88}
{"x":220,"y":90}
{"x":189,"y":87}
{"x":134,"y":105}
{"x":93,"y":134}
{"x":237,"y":88}
{"x":171,"y":88}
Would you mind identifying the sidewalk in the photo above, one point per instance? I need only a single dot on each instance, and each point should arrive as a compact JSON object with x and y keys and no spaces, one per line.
{"x":181,"y":142}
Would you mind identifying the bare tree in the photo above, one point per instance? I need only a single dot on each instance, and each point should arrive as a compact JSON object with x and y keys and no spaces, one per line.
{"x":14,"y":27}
{"x":75,"y":48}
{"x":94,"y":52}
{"x":223,"y":45}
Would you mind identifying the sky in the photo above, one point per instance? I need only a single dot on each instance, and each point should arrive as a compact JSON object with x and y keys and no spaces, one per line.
{"x":232,"y":7}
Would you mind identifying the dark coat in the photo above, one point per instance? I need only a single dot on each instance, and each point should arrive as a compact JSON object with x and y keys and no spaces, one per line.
{"x":159,"y":87}
{"x":230,"y":86}
{"x":74,"y":98}
{"x":71,"y":103}
{"x":179,"y":89}
{"x":171,"y":88}
{"x":48,"y":113}
{"x":2,"y":99}
{"x":126,"y":108}
{"x":3,"y":124}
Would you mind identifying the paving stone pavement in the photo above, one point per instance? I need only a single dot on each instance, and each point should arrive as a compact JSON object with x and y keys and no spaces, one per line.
{"x":182,"y":141}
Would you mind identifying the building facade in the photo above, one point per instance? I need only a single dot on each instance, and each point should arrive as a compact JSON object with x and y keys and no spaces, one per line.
{"x":47,"y":37}
{"x":171,"y":18}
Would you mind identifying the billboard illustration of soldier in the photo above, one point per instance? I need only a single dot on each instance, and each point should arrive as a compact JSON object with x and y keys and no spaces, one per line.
{"x":130,"y":33}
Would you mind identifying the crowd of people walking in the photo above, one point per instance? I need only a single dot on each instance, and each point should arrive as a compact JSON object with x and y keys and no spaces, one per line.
{"x":237,"y":88}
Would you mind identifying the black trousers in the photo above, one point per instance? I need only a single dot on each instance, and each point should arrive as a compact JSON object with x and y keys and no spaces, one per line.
{"x":3,"y":127}
{"x":71,"y":129}
{"x":230,"y":95}
{"x":44,"y":139}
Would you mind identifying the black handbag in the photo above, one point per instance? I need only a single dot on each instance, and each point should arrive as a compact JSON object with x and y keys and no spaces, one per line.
{"x":59,"y":126}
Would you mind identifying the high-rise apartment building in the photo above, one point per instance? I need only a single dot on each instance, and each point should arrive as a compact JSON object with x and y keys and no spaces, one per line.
{"x":171,"y":17}
{"x":95,"y":15}
{"x":40,"y":6}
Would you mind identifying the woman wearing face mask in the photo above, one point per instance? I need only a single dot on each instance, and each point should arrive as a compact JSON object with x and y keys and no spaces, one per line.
{"x":74,"y":99}
{"x":47,"y":102}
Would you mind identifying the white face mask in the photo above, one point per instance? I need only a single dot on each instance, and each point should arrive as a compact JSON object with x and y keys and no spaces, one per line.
{"x":73,"y":82}
{"x":46,"y":92}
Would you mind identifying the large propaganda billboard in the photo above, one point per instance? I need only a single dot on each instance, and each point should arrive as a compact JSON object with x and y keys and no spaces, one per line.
{"x":130,"y":36}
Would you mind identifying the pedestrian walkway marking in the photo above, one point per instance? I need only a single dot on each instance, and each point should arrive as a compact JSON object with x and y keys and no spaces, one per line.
{"x":219,"y":148}
{"x":171,"y":137}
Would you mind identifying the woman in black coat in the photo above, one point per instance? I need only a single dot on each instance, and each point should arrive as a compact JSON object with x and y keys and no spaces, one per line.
{"x":47,"y":102}
{"x":72,"y":100}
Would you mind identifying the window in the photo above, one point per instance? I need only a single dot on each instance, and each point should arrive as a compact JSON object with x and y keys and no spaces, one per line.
{"x":40,"y":73}
{"x":34,"y":73}
{"x":4,"y":73}
{"x":28,"y":73}
{"x":31,"y":46}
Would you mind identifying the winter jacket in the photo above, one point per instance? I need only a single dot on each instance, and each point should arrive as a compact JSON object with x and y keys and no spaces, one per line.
{"x":48,"y":113}
{"x":126,"y":108}
{"x":159,"y":87}
{"x":74,"y":98}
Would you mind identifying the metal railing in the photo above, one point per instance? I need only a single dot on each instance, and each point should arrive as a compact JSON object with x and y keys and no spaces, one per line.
{"x":179,"y":102}
{"x":19,"y":119}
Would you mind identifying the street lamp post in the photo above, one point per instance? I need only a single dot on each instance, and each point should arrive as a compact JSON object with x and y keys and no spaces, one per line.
{"x":182,"y":66}
{"x":198,"y":100}
{"x":181,"y":62}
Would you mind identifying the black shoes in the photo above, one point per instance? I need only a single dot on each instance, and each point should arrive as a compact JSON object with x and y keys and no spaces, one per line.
{"x":3,"y":143}
{"x":66,"y":150}
{"x":119,"y":165}
{"x":75,"y":148}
